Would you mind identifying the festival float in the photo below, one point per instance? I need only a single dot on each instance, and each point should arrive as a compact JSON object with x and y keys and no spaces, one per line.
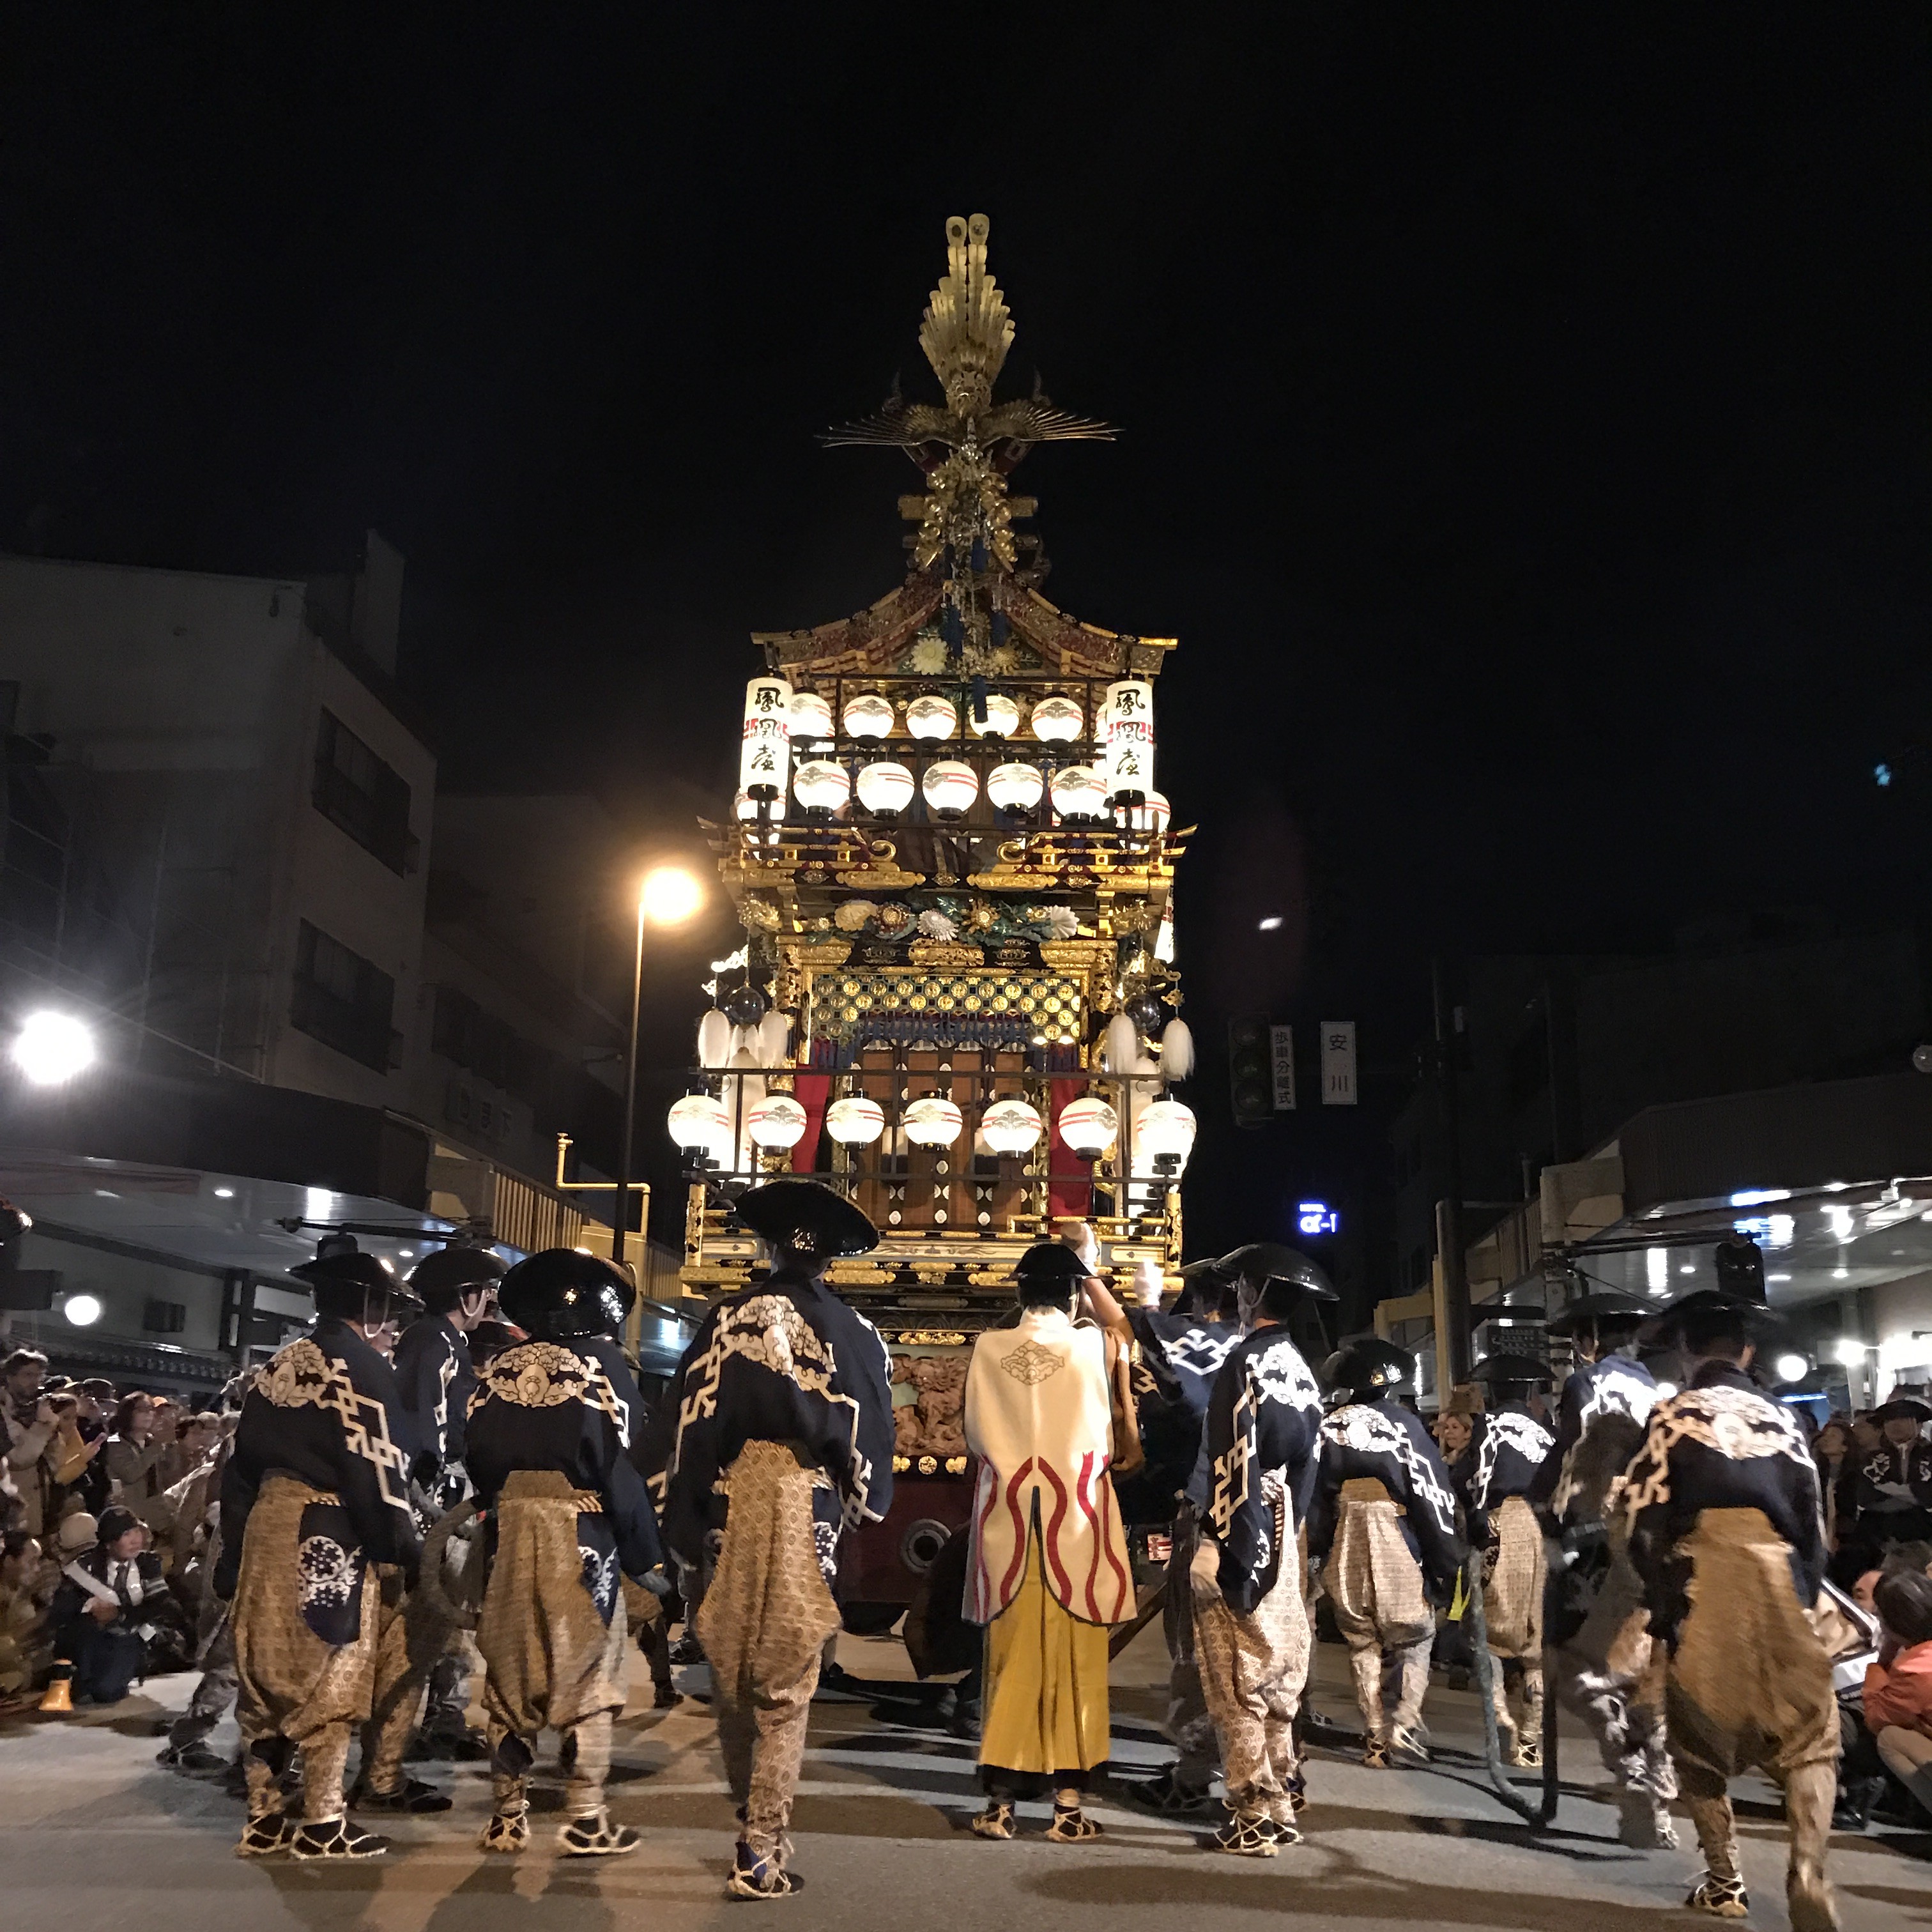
{"x":957,"y":1000}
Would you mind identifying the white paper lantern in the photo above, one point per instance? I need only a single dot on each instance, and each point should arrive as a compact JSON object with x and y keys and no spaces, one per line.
{"x":1088,"y":1126}
{"x":885,"y":786}
{"x":764,"y":757}
{"x":811,"y":717}
{"x":1057,"y":720}
{"x":1079,"y":792}
{"x":950,"y":787}
{"x":1163,"y":812}
{"x":932,"y":718}
{"x":1126,"y":736}
{"x":855,"y":1121}
{"x":868,"y":716}
{"x":933,"y":1122}
{"x":700,"y":1120}
{"x":1164,"y":1127}
{"x":820,"y":785}
{"x":777,"y":1121}
{"x":1010,"y":1126}
{"x":1003,"y":717}
{"x":1015,"y":788}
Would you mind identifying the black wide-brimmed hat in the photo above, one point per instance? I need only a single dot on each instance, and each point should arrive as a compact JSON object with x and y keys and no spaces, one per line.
{"x":1507,"y":1366}
{"x":457,"y":1268}
{"x":808,"y":1217}
{"x":1665,"y":1328}
{"x":1261,"y":1262}
{"x":1902,"y":1407}
{"x":558,"y":1294}
{"x":344,"y":1278}
{"x":1051,"y":1264}
{"x":1601,"y":1304}
{"x":1365,"y":1369}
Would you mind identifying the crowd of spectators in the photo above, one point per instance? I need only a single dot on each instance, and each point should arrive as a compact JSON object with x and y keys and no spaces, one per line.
{"x":106,"y":1501}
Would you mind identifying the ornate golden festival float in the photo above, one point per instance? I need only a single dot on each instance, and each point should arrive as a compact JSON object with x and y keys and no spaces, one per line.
{"x":956,"y":878}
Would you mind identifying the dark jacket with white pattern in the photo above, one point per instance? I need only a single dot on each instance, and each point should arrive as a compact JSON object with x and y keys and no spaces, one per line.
{"x":1180,"y":1357}
{"x":1264,"y":1417}
{"x":1616,"y":1385}
{"x":436,"y":1382}
{"x":1386,"y":1442}
{"x":324,"y":1410}
{"x":572,"y":1408}
{"x":1720,"y":1444}
{"x":785,"y":1361}
{"x":1507,"y":1446}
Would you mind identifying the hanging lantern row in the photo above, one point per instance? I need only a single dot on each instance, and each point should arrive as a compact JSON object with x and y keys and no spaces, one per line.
{"x":1164,"y":1130}
{"x":929,"y":717}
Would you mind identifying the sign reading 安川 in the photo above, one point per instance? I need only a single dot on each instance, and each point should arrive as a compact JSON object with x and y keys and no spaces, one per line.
{"x":1338,"y":1062}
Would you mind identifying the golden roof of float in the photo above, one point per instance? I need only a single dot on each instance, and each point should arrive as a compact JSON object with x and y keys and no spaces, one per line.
{"x":966,"y":448}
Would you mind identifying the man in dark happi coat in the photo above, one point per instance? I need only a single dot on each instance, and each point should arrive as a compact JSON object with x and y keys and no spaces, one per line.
{"x":1885,"y":1496}
{"x":1181,"y":1352}
{"x":781,"y":1417}
{"x":1251,"y":1630}
{"x":1721,"y":1508}
{"x":425,"y":1659}
{"x":1382,"y":1524}
{"x":315,"y":1522}
{"x":1598,"y":1640}
{"x":550,"y":1433}
{"x":1508,"y":1449}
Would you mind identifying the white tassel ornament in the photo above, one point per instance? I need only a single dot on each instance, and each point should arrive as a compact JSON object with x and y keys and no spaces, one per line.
{"x":1177,"y":1051}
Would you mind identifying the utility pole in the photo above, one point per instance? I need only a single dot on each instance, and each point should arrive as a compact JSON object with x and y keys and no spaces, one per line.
{"x":1449,"y":1208}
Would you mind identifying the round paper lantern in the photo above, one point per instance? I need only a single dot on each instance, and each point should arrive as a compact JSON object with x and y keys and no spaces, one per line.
{"x":1015,"y":788}
{"x":820,"y":785}
{"x":1162,"y":1128}
{"x":1003,"y":717}
{"x":855,"y":1121}
{"x":776,"y":1121}
{"x":1010,"y":1126}
{"x":885,"y":786}
{"x":932,"y":718}
{"x":1147,"y":819}
{"x":933,"y":1122}
{"x":950,"y":787}
{"x":699,"y":1120}
{"x":1079,"y":792}
{"x":1088,"y":1126}
{"x":868,"y":716}
{"x":1057,"y":720}
{"x":811,"y":716}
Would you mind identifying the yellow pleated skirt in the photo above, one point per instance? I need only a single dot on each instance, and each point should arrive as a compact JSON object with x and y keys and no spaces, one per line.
{"x":1044,"y":1709}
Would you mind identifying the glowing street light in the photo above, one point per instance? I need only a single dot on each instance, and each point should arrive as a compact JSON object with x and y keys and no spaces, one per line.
{"x":668,"y":896}
{"x":83,"y":1310}
{"x":51,"y":1047}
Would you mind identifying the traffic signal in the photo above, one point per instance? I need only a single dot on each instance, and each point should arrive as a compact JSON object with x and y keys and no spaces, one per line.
{"x":1740,"y":1268}
{"x":1251,"y":1071}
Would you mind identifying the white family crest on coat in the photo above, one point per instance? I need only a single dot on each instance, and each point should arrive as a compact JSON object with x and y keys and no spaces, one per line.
{"x":301,"y":1376}
{"x":1195,"y":1352}
{"x":1503,"y":1429}
{"x":1363,"y":1426}
{"x":544,"y":1375}
{"x":1282,"y":1375}
{"x":1738,"y":1423}
{"x":1032,"y":1364}
{"x":1617,"y":1392}
{"x":325,"y":1572}
{"x":1277,"y":1373}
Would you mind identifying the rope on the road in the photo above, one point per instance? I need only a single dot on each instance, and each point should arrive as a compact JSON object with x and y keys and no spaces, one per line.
{"x":1486,"y":1679}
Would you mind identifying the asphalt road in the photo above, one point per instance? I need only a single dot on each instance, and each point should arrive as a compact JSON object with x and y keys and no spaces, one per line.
{"x":94,"y":1835}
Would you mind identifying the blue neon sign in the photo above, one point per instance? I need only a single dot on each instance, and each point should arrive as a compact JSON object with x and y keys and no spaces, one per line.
{"x":1317,"y":1217}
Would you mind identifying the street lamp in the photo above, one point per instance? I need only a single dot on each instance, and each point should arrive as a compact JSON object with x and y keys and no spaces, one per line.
{"x":51,"y":1047}
{"x":669,"y":896}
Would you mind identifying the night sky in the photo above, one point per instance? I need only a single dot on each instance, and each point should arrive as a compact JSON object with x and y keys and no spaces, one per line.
{"x":1524,"y":411}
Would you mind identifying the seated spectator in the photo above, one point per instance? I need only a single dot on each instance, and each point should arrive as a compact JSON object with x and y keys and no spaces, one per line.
{"x":105,"y":1608}
{"x":1898,"y":1685}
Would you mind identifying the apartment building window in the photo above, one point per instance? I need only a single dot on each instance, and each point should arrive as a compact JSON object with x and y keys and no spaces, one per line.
{"x":343,"y":1000}
{"x":368,"y":798}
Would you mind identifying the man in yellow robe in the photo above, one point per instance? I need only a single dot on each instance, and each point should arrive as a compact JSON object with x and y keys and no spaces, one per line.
{"x":1049,"y":1573}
